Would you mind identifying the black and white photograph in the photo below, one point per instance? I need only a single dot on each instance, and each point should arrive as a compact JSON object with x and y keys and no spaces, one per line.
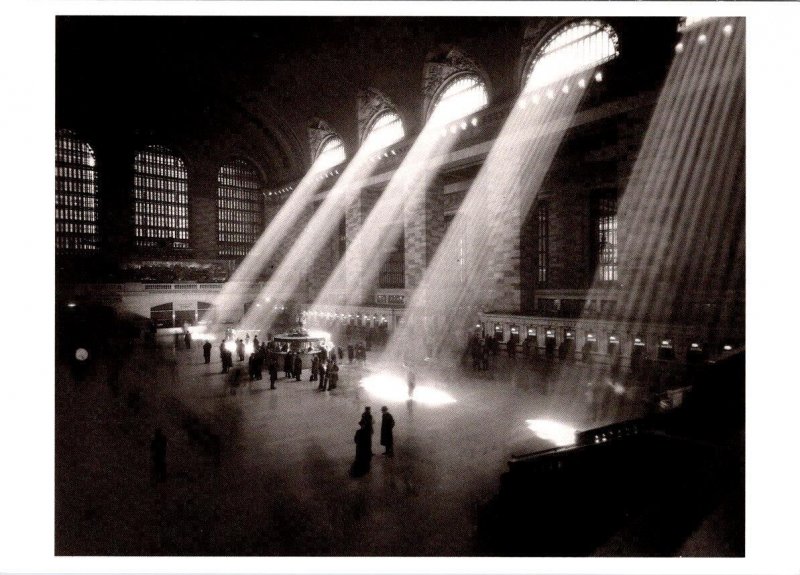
{"x":453,"y":283}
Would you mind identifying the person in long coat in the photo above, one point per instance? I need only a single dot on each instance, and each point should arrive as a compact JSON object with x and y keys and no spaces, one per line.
{"x":287,"y":364}
{"x":298,"y":366}
{"x":314,"y":368}
{"x":323,"y":374}
{"x":273,"y":373}
{"x":363,"y":451}
{"x":207,"y":351}
{"x":369,"y":425}
{"x":387,"y":435}
{"x":223,"y":356}
{"x":333,"y":375}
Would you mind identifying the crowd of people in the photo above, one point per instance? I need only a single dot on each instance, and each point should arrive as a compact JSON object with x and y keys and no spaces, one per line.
{"x":323,"y":364}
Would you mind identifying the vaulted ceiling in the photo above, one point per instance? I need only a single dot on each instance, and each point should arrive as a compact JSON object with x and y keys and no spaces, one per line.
{"x":257,"y":82}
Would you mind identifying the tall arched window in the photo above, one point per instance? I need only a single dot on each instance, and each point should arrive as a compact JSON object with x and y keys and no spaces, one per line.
{"x":331,"y":153}
{"x":161,"y":199}
{"x":240,"y":207}
{"x":573,"y":49}
{"x":76,"y":194}
{"x":386,"y":129}
{"x":463,"y":95}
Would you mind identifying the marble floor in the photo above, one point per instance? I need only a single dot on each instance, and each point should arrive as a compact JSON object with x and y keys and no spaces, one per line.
{"x":280,"y":482}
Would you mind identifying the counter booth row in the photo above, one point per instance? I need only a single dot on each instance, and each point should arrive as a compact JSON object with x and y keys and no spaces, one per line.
{"x":552,"y":342}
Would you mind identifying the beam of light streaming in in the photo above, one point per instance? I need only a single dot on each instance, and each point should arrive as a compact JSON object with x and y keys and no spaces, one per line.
{"x":298,"y":261}
{"x":681,"y":218}
{"x":357,"y":271}
{"x":467,"y":269}
{"x":236,"y":290}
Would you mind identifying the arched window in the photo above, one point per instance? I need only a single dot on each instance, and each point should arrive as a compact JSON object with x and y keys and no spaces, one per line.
{"x":386,"y":129}
{"x":240,"y":207}
{"x":161,"y":199}
{"x":331,"y":153}
{"x":690,"y":21}
{"x":76,"y":194}
{"x":463,"y":95}
{"x":573,"y":49}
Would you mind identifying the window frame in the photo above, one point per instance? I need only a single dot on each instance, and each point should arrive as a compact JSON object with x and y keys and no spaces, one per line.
{"x":77,"y":225}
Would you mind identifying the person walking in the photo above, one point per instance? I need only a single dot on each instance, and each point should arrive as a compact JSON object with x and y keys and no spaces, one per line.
{"x":412,"y":383}
{"x":387,"y":435}
{"x":207,"y":351}
{"x":314,"y":367}
{"x":350,"y":353}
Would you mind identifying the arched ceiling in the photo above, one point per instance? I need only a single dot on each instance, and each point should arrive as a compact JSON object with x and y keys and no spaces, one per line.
{"x":261,"y":79}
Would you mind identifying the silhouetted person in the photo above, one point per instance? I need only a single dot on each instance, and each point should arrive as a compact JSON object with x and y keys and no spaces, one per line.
{"x":340,"y":353}
{"x":314,"y":368}
{"x":333,"y":375}
{"x":158,"y":453}
{"x":207,"y":351}
{"x":177,"y":340}
{"x":187,"y":339}
{"x":256,"y":344}
{"x":298,"y":366}
{"x":412,"y":383}
{"x":240,"y":349}
{"x":363,"y":443}
{"x":350,"y":353}
{"x":273,"y":373}
{"x":323,"y":374}
{"x":251,"y":366}
{"x":287,"y":364}
{"x":387,"y":435}
{"x":369,"y":425}
{"x":223,"y":355}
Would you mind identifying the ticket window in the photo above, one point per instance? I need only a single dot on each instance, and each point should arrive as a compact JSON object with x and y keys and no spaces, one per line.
{"x":567,"y":347}
{"x":638,"y":352}
{"x":498,"y":332}
{"x":550,"y":342}
{"x":613,"y":345}
{"x":695,"y":353}
{"x":589,"y":346}
{"x":665,"y":350}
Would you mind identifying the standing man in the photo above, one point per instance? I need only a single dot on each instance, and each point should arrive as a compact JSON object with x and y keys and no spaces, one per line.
{"x":387,"y":435}
{"x":298,"y":366}
{"x":368,"y":424}
{"x":323,"y":374}
{"x":333,"y":374}
{"x":273,"y":372}
{"x":207,"y":351}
